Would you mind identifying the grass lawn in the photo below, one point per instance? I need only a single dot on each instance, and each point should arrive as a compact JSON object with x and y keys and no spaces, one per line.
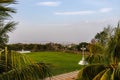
{"x":59,"y":62}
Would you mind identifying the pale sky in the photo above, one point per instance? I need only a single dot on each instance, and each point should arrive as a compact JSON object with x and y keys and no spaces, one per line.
{"x":62,"y":21}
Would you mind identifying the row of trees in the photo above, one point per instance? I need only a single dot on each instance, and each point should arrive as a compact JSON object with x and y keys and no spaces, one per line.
{"x":48,"y":47}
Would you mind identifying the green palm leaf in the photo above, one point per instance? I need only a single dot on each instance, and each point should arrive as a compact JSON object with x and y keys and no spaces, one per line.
{"x":4,"y":29}
{"x":7,"y":1}
{"x":99,"y":75}
{"x":111,"y":56}
{"x":90,"y":71}
{"x":31,"y":72}
{"x":5,"y":11}
{"x":107,"y":75}
{"x":95,"y":58}
{"x":117,"y":74}
{"x":10,"y":26}
{"x":16,"y":66}
{"x":113,"y":74}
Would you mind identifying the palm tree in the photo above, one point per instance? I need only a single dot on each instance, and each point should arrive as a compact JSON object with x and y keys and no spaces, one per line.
{"x":7,"y":1}
{"x":16,"y":66}
{"x":4,"y":10}
{"x":13,"y":65}
{"x":5,"y":27}
{"x":109,"y":69}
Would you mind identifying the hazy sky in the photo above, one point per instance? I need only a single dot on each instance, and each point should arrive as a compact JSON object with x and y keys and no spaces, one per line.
{"x":63,"y":21}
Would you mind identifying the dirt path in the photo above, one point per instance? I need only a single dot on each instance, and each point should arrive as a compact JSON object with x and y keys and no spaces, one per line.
{"x":66,"y":76}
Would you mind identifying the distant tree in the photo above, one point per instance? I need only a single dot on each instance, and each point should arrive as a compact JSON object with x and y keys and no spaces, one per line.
{"x":50,"y":46}
{"x":35,"y":48}
{"x":93,"y":41}
{"x":80,"y":45}
{"x":103,"y":36}
{"x":13,"y":46}
{"x":26,"y":47}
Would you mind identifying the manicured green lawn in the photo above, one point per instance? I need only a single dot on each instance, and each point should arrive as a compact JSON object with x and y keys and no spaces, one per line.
{"x":59,"y":62}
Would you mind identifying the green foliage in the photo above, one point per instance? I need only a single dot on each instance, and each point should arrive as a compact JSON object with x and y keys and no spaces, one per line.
{"x":103,"y":36}
{"x":113,"y":47}
{"x":116,"y":74}
{"x":5,"y":10}
{"x":16,"y":66}
{"x":95,"y":58}
{"x":90,"y":71}
{"x":99,"y":72}
{"x":96,"y":48}
{"x":7,"y":1}
{"x":4,"y":29}
{"x":36,"y":47}
{"x":80,"y":45}
{"x":6,"y":26}
{"x":96,"y":53}
{"x":111,"y":55}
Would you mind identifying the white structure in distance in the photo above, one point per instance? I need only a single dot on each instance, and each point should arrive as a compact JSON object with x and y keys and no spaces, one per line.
{"x":23,"y":51}
{"x":83,"y":62}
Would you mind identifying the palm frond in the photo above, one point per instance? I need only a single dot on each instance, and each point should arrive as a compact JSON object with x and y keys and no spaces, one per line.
{"x":113,"y":75}
{"x":111,"y":57}
{"x":4,"y":29}
{"x":99,"y":75}
{"x":90,"y":71}
{"x":95,"y":58}
{"x":10,"y":26}
{"x":113,"y":48}
{"x":16,"y":66}
{"x":3,"y":40}
{"x":7,"y":9}
{"x":7,"y":1}
{"x":5,"y":12}
{"x":107,"y":74}
{"x":117,"y":74}
{"x":31,"y":72}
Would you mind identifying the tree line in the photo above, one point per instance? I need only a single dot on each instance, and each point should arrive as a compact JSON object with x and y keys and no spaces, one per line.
{"x":48,"y":47}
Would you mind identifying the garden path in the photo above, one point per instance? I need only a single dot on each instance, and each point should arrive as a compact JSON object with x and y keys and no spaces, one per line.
{"x":65,"y":76}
